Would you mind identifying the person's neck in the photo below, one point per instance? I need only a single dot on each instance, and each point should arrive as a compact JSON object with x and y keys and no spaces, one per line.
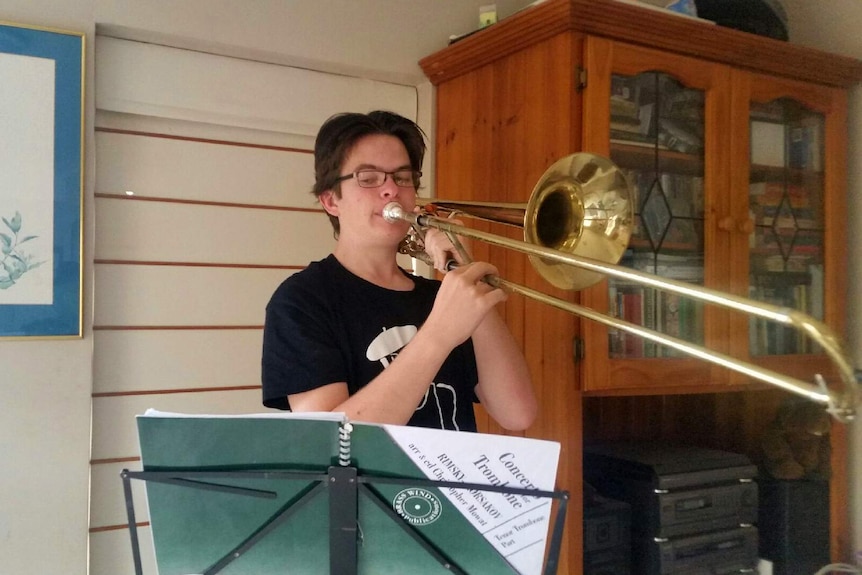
{"x":376,"y":266}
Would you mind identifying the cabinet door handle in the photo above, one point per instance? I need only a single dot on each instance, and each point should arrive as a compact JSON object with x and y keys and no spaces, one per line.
{"x":728,"y":224}
{"x":725,"y":224}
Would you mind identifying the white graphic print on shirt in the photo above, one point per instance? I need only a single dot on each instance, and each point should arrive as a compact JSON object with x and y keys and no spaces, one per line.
{"x":385,"y":347}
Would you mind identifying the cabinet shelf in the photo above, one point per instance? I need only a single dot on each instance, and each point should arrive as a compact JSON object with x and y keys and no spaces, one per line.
{"x":644,"y":156}
{"x":763,"y":173}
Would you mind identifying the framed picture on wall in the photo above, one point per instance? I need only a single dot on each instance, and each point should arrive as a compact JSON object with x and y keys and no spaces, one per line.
{"x":41,"y":181}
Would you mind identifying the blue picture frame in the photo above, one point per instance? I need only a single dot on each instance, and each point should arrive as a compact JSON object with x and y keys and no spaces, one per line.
{"x":41,"y":233}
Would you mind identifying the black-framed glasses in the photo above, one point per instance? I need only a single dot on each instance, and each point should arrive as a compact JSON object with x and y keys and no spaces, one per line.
{"x":375,"y":178}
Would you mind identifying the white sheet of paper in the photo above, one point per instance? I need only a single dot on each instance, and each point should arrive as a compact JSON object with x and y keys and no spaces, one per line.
{"x":515,"y":525}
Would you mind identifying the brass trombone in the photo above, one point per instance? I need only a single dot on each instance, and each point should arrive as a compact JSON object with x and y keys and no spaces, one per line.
{"x":577,"y":225}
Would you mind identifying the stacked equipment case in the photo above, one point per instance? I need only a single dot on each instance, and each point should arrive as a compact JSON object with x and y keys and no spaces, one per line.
{"x":693,"y":510}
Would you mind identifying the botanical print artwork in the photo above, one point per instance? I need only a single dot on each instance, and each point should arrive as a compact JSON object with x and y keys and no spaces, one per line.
{"x":16,"y":260}
{"x":28,"y":160}
{"x":41,"y":181}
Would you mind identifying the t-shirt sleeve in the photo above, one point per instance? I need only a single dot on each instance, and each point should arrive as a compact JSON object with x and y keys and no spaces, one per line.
{"x":299,"y":349}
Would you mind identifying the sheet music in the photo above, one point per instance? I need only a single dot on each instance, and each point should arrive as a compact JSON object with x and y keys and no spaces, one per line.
{"x":515,"y":525}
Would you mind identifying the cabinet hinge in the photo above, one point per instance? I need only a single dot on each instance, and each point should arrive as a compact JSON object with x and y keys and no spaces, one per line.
{"x":582,"y":79}
{"x":578,"y":349}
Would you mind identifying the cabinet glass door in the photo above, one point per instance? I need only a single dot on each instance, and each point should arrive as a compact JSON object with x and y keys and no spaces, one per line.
{"x":657,"y":139}
{"x":786,"y":208}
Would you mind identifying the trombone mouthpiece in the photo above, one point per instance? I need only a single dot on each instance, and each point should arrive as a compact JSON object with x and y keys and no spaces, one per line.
{"x":393,"y":212}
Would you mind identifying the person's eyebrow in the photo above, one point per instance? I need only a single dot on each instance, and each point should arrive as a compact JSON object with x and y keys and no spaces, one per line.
{"x":376,"y":167}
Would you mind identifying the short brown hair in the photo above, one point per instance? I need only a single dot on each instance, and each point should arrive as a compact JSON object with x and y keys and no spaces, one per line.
{"x":341,"y":132}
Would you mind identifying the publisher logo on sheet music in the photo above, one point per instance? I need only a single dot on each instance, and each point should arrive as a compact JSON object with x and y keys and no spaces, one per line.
{"x":417,"y":506}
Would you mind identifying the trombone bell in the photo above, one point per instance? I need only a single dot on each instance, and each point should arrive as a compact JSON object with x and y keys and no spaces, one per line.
{"x":582,"y":205}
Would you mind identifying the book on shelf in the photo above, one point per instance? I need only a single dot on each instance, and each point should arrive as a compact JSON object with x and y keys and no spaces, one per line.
{"x":769,"y":263}
{"x":779,"y":221}
{"x":808,"y":236}
{"x":696,"y":195}
{"x":617,"y":338}
{"x":684,"y":234}
{"x":766,"y":193}
{"x":684,"y":318}
{"x":816,"y":293}
{"x":627,"y":303}
{"x":690,"y":274}
{"x":780,"y":279}
{"x":671,"y":322}
{"x":625,"y":125}
{"x":636,"y":139}
{"x":772,"y":111}
{"x":671,"y":137}
{"x":767,"y":143}
{"x":656,"y":217}
{"x":679,"y":136}
{"x":650,"y":315}
{"x":798,"y":196}
{"x":800,"y":219}
{"x":666,"y":312}
{"x":686,"y":105}
{"x":646,"y":117}
{"x":625,"y":95}
{"x":771,"y":338}
{"x":633,"y":312}
{"x":638,"y":185}
{"x":679,"y":265}
{"x":624,"y":109}
{"x":774,"y":193}
{"x":805,"y":147}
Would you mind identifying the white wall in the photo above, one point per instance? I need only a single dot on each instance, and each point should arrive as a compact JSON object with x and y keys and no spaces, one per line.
{"x":381,"y":39}
{"x":221,"y":213}
{"x":834,"y":26}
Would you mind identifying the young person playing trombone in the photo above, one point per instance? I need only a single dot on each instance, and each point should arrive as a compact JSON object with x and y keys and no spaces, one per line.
{"x":355,"y":333}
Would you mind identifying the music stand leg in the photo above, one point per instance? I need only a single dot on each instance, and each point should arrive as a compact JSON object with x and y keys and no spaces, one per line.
{"x":557,"y":537}
{"x":133,"y":527}
{"x":343,"y":511}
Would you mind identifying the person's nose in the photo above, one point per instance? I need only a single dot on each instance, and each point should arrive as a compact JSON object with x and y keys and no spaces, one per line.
{"x":388,"y":189}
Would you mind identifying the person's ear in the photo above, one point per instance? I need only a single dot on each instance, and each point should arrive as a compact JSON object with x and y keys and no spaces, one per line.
{"x":329,"y":202}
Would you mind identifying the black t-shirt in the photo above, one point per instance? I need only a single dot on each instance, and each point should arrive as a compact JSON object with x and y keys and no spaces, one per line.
{"x":325,"y":324}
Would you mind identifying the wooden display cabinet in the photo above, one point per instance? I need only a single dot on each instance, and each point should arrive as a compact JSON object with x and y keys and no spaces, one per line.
{"x":554,"y":79}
